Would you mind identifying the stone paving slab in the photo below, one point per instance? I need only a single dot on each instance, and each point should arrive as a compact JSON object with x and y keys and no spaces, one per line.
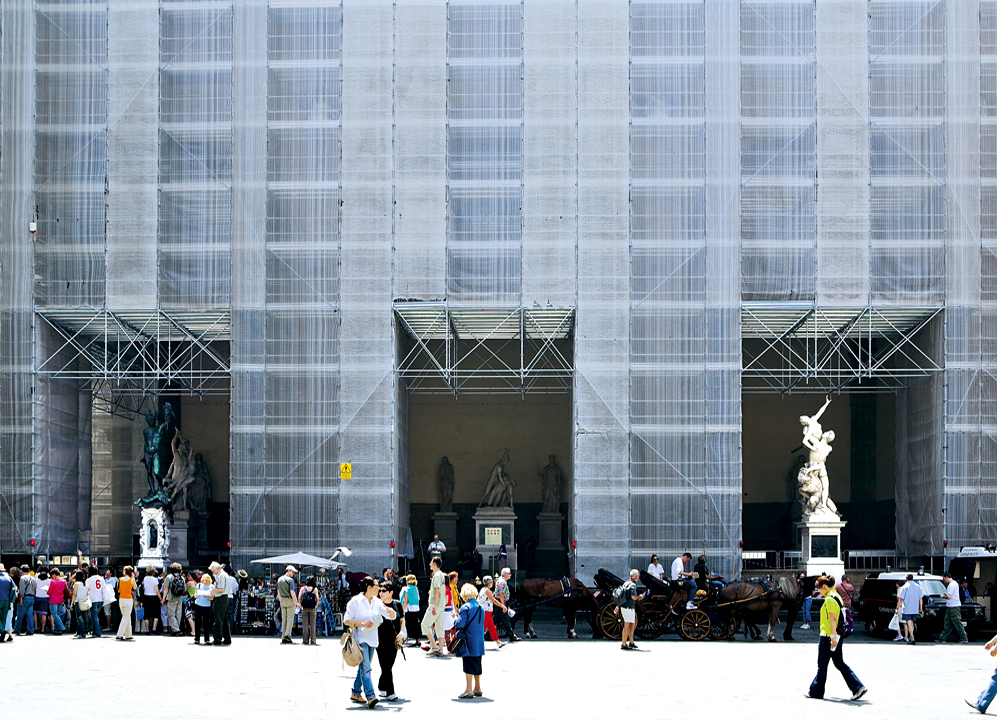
{"x":260,"y":678}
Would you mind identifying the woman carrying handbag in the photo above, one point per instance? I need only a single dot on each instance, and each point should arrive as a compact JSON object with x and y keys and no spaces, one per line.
{"x":363,"y":614}
{"x":470,"y":639}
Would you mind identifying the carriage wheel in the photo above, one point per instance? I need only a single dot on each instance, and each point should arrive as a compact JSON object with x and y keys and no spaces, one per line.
{"x":695,"y":625}
{"x":610,"y":622}
{"x":650,"y":625}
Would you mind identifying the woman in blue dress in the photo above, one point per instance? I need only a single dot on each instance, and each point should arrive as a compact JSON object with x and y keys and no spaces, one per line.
{"x":471,"y":626}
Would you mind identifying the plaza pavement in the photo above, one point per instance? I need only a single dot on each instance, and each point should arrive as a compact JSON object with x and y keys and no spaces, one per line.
{"x":160,"y":677}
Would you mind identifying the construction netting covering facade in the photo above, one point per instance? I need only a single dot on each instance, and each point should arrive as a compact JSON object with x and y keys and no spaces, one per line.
{"x":284,"y":172}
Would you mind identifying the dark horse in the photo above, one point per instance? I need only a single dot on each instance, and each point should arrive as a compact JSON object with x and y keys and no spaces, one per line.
{"x":569,"y":594}
{"x":753,"y":597}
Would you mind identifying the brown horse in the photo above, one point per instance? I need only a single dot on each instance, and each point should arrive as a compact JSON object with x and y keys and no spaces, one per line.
{"x":753,"y":597}
{"x":569,"y":594}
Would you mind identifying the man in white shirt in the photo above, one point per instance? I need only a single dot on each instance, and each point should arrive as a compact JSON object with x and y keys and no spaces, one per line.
{"x":219,"y":606}
{"x":437,"y":548}
{"x":678,"y":573}
{"x":656,"y":569}
{"x":95,"y":591}
{"x":910,"y":603}
{"x":953,"y":611}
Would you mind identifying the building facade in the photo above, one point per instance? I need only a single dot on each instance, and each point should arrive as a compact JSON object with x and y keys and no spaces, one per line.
{"x":313,"y":214}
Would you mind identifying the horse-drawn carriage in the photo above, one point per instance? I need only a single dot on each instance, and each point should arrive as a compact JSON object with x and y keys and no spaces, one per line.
{"x":661,"y":608}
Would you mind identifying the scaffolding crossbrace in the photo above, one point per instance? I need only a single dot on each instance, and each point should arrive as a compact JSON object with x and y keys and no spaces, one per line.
{"x":799,"y":347}
{"x":121,"y":356}
{"x":474,"y":350}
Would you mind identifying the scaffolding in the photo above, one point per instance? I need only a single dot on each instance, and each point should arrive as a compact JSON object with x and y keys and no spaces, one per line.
{"x":655,"y":205}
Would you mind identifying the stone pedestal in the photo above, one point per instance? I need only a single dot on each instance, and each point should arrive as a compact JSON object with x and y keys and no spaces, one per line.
{"x":154,"y":538}
{"x":180,"y":545}
{"x":551,"y":558}
{"x":820,"y":535}
{"x":445,"y":525}
{"x":492,"y":527}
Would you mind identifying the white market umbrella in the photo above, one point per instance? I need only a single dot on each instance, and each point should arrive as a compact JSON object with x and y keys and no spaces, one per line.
{"x":300,"y":559}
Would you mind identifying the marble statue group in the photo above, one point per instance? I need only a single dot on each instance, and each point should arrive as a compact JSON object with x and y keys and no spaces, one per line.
{"x":812,"y":481}
{"x":178,"y":478}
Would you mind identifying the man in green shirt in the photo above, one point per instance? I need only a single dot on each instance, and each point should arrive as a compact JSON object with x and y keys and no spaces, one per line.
{"x":829,"y":647}
{"x":432,"y":621}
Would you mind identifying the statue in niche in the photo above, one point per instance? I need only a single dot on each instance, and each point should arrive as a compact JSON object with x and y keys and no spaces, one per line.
{"x":155,"y":436}
{"x":181,"y":472}
{"x":446,"y":486}
{"x":812,"y":478}
{"x":552,"y":484}
{"x":199,"y":493}
{"x":498,"y":490}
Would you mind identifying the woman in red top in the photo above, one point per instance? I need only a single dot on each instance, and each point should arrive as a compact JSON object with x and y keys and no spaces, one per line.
{"x":57,"y":602}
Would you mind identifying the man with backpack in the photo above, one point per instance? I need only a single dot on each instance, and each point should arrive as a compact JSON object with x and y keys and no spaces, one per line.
{"x":625,"y":597}
{"x":173,"y":592}
{"x":829,"y":648}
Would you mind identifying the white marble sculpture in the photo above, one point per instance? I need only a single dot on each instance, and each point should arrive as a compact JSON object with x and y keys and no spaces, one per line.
{"x":498,"y":490}
{"x":812,"y":479}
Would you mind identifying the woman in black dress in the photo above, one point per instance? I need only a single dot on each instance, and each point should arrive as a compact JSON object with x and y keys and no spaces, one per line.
{"x":388,"y":641}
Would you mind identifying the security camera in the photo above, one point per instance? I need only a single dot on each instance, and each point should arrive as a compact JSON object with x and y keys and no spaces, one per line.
{"x":32,"y":227}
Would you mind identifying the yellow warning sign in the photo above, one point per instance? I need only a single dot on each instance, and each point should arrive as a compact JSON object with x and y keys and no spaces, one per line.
{"x":345,"y":471}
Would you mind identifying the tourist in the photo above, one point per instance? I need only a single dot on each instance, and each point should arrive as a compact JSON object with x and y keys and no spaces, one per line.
{"x":627,"y":605}
{"x":656,"y":569}
{"x":308,"y":602}
{"x":219,"y":606}
{"x":27,"y":585}
{"x":202,"y":609}
{"x":8,"y":592}
{"x":81,"y":605}
{"x":8,"y":624}
{"x":471,"y":622}
{"x":95,"y":591}
{"x":410,"y":605}
{"x":487,"y":600}
{"x":453,"y":592}
{"x":389,"y":639}
{"x":233,"y":592}
{"x":829,"y":646}
{"x":172,"y":594}
{"x":126,"y":602}
{"x":111,"y":609}
{"x":807,"y":605}
{"x":188,"y":600}
{"x":503,"y":593}
{"x":846,"y":590}
{"x":986,"y":697}
{"x":361,"y":617}
{"x":953,"y":610}
{"x":432,"y":621}
{"x":41,"y":600}
{"x":151,"y":600}
{"x":910,"y":604}
{"x":56,"y":602}
{"x":288,"y":602}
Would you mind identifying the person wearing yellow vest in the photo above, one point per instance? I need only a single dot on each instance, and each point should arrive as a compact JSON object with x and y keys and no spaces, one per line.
{"x":829,"y":646}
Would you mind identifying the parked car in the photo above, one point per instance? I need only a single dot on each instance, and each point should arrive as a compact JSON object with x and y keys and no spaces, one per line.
{"x":877,"y":603}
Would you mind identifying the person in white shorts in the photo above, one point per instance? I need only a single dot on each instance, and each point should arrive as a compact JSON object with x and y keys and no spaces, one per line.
{"x":628,"y":610}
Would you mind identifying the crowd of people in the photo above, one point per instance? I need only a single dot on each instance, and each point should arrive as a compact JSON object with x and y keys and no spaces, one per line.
{"x":89,"y":602}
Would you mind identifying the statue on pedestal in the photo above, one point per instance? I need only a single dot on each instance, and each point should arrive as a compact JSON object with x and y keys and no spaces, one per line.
{"x":498,"y":490}
{"x":152,"y":450}
{"x":446,"y":486}
{"x":552,"y":484}
{"x":812,"y":478}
